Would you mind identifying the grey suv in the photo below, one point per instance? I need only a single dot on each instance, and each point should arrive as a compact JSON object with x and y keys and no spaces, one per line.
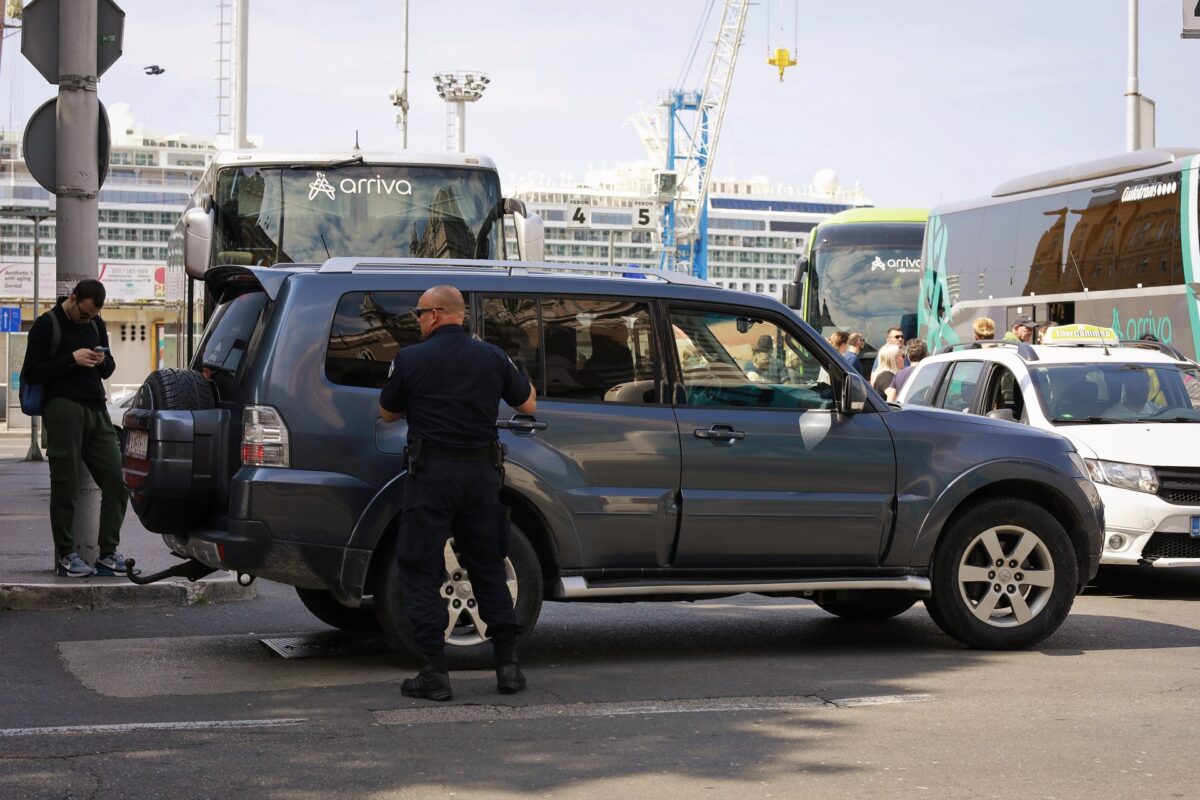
{"x":689,"y":442}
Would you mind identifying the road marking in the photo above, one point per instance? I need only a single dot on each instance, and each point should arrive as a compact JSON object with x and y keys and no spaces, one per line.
{"x":133,"y":727}
{"x":424,"y":715}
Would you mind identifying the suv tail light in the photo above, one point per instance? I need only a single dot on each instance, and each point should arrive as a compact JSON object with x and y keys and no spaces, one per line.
{"x":264,"y":438}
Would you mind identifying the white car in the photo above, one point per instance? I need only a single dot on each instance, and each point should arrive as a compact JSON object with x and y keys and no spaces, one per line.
{"x":1132,"y":411}
{"x":116,"y":412}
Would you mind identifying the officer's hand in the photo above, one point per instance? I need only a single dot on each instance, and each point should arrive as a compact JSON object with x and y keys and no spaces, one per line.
{"x":87,"y":358}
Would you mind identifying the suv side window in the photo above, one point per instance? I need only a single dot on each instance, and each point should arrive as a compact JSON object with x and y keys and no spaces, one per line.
{"x":599,"y":349}
{"x":369,"y":328}
{"x":727,"y":359}
{"x":512,"y":324}
{"x":960,"y":387}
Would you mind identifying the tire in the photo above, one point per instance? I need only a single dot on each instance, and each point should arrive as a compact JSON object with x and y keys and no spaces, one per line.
{"x":464,"y":646}
{"x":1034,"y":597}
{"x":176,"y":390}
{"x":173,"y":390}
{"x":325,"y":607}
{"x":868,"y":605}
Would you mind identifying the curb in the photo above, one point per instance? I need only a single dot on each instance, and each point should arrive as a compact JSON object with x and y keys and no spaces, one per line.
{"x":83,"y":596}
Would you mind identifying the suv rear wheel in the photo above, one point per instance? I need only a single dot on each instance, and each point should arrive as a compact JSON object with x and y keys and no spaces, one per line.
{"x":325,"y":607}
{"x":464,"y":642}
{"x":1004,"y":576}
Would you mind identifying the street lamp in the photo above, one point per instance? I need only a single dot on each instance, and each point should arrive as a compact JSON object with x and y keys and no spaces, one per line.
{"x":36,"y":216}
{"x":458,"y":89}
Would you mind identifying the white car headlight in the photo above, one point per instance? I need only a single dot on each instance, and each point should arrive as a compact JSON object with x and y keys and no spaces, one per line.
{"x":1126,"y":476}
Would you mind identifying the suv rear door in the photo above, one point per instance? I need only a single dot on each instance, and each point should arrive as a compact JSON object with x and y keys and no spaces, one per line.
{"x":773,"y":475}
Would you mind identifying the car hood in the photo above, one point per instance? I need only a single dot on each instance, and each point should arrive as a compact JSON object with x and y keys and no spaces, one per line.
{"x":1162,"y":444}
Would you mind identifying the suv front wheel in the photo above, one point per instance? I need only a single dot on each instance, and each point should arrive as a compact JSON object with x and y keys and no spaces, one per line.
{"x":1004,"y":576}
{"x":465,"y":643}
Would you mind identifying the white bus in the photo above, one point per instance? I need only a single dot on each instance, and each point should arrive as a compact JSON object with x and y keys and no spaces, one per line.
{"x":1110,"y":242}
{"x":262,"y":208}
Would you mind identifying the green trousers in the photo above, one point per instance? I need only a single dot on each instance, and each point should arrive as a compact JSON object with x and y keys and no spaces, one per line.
{"x":77,"y":434}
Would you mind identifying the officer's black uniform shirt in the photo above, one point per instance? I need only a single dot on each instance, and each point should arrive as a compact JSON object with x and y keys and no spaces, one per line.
{"x":450,"y":386}
{"x":58,"y":373}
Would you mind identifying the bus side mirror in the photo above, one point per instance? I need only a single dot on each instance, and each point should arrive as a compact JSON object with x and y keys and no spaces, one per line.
{"x":197,"y":241}
{"x":531,"y":238}
{"x":791,"y":295}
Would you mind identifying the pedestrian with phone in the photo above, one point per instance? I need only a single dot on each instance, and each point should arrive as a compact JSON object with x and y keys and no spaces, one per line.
{"x":67,"y":355}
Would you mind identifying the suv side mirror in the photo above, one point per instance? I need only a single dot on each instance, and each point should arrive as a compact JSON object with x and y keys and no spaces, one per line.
{"x":197,"y":240}
{"x":1002,"y":413}
{"x":855,"y":392}
{"x":531,"y":237}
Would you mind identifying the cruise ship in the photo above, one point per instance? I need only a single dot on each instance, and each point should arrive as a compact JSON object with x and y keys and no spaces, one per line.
{"x":756,"y":229}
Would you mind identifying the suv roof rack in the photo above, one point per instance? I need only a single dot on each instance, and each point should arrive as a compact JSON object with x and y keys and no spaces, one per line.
{"x":342,"y":264}
{"x":1024,"y":350}
{"x":1161,"y":347}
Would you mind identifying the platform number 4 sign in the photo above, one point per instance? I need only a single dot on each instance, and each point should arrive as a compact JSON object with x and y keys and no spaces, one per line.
{"x":1191,"y":20}
{"x":579,"y":214}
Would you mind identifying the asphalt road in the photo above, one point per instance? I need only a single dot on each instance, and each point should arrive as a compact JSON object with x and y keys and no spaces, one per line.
{"x":745,"y":697}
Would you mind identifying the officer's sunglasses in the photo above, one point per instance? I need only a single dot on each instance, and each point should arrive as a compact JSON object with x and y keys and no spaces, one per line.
{"x":418,"y":311}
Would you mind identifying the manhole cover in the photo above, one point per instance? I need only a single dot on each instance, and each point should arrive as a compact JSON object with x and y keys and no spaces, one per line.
{"x":324,"y":645}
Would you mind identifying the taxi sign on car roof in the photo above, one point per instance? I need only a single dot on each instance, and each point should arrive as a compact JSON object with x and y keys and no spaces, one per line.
{"x":1081,"y":334}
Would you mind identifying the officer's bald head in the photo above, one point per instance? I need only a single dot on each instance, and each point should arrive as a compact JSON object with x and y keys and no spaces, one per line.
{"x":446,"y":297}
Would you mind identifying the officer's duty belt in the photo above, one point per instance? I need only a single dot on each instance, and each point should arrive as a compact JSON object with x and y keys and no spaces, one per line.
{"x":485,"y":453}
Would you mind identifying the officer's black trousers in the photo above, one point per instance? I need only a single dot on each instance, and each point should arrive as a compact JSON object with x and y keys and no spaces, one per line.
{"x":460,"y":499}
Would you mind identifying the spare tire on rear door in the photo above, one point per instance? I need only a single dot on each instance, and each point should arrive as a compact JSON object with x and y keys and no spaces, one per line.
{"x":173,"y":390}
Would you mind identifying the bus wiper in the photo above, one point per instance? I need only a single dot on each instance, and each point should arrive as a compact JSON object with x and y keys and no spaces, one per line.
{"x":343,"y":162}
{"x":1088,"y":420}
{"x":1168,"y":419}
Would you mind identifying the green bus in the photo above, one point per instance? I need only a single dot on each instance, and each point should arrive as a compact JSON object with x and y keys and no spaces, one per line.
{"x":862,"y":272}
{"x":1111,"y":242}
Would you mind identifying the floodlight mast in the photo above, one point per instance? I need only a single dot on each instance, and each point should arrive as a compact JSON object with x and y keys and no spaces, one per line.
{"x":458,"y":89}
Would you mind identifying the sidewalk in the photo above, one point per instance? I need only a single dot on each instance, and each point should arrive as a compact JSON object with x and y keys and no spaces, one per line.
{"x":27,"y":579}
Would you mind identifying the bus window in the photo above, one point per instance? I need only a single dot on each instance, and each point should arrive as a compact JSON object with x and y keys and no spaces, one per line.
{"x":1093,"y":240}
{"x":962,"y":255}
{"x":1039,"y":245}
{"x":1148,"y":251}
{"x":997,"y":247}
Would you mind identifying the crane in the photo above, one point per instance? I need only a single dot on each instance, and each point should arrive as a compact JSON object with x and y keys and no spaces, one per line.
{"x":685,"y":210}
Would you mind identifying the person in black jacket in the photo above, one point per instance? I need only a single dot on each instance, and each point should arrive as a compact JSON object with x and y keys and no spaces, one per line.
{"x":70,"y":363}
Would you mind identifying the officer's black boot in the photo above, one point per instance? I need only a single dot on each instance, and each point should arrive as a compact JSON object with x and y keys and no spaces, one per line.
{"x":509,"y":678}
{"x":432,"y":682}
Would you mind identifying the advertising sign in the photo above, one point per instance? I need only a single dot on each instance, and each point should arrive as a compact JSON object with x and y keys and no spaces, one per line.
{"x":123,"y":282}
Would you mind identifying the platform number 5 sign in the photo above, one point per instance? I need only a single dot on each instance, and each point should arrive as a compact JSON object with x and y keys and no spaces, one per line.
{"x":643,"y":215}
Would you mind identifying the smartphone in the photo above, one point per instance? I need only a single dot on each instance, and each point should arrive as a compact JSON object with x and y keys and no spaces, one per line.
{"x":100,"y":349}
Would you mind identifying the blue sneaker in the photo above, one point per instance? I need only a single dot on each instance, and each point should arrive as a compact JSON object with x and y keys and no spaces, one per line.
{"x":111,"y":565}
{"x":72,"y":566}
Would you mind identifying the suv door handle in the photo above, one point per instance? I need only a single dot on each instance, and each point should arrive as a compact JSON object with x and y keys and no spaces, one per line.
{"x":521,"y":424}
{"x":719,"y":435}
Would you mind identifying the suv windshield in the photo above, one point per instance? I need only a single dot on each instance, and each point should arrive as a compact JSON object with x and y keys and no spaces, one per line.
{"x":1073,"y":394}
{"x":274,"y":215}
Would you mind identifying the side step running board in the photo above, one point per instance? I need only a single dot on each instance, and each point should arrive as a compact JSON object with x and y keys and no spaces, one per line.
{"x":577,"y":588}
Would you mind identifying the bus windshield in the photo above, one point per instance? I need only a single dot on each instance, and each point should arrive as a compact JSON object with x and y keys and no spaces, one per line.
{"x":865,"y":277}
{"x":267,"y":215}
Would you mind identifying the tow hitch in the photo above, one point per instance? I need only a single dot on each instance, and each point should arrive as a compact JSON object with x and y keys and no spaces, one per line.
{"x":191,"y":569}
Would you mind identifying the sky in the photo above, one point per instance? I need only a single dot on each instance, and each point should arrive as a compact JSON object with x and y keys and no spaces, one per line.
{"x":918,"y":103}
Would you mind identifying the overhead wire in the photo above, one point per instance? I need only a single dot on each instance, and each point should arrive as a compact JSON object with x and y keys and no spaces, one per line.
{"x":695,"y":47}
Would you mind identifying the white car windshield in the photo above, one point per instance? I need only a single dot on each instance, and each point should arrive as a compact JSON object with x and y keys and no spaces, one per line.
{"x":1098,"y":393}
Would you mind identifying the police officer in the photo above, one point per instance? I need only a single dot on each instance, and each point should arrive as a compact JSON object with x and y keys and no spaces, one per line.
{"x":449,"y":387}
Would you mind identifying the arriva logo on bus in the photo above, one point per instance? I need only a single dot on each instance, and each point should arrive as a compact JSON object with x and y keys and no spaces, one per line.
{"x":897,"y":264}
{"x":1137,"y":327}
{"x":376,"y":185}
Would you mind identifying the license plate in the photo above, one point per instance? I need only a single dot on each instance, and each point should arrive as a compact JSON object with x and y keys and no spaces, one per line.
{"x":1196,"y":527}
{"x":137,"y":444}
